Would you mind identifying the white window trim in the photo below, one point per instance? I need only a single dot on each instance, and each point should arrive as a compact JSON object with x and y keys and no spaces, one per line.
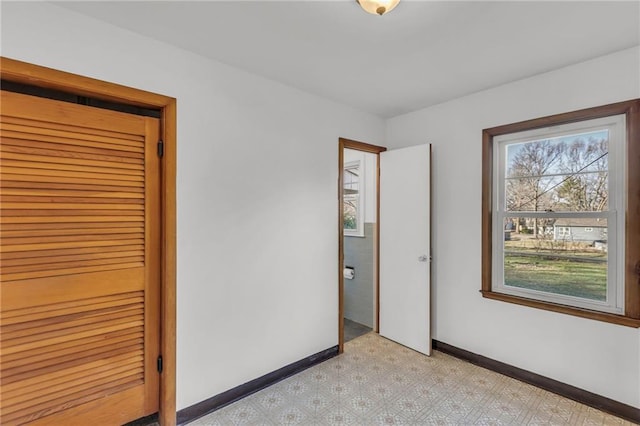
{"x":359,"y":231}
{"x":615,"y":216}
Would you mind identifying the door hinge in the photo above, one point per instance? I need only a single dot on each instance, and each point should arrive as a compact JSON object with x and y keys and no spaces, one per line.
{"x":160,"y":149}
{"x":159,"y":363}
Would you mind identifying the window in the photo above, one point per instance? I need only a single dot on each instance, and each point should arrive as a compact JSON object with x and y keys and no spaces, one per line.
{"x":563,"y":188}
{"x":353,"y":203}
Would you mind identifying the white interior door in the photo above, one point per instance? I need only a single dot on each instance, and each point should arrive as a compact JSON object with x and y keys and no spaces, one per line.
{"x":405,"y":288}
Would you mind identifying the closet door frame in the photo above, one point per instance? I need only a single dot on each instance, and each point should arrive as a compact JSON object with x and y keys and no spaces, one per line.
{"x":34,"y":75}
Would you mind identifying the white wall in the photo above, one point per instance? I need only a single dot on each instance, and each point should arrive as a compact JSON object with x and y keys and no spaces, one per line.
{"x":596,"y":356}
{"x":257,"y":205}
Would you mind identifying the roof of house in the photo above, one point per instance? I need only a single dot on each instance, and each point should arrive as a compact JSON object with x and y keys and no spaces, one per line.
{"x":584,"y":221}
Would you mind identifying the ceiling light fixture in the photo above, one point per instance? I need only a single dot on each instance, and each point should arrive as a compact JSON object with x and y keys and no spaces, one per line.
{"x":378,"y":7}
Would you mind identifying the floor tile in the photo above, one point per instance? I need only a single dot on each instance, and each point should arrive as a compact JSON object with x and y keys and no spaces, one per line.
{"x":378,"y":382}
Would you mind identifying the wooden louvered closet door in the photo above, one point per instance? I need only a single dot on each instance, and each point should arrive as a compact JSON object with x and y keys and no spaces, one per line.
{"x":80,"y":268}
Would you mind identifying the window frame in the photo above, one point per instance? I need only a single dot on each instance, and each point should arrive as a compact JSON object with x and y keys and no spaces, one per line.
{"x":631,"y":110}
{"x":359,"y":231}
{"x":614,"y":214}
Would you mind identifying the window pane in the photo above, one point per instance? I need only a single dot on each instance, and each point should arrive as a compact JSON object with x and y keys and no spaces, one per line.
{"x":351,"y":194}
{"x":564,"y":192}
{"x":568,"y":173}
{"x":350,"y":213}
{"x":558,"y":256}
{"x":531,"y":194}
{"x":351,"y":180}
{"x":583,"y":152}
{"x":536,"y":158}
{"x":583,"y":192}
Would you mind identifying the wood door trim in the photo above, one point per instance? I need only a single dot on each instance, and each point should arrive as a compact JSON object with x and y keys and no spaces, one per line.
{"x":373,"y":149}
{"x":25,"y":73}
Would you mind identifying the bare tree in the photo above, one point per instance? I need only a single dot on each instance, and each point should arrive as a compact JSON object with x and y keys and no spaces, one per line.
{"x":527,"y":187}
{"x":586,"y":188}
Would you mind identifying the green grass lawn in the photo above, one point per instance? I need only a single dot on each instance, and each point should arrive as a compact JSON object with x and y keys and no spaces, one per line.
{"x":560,"y":276}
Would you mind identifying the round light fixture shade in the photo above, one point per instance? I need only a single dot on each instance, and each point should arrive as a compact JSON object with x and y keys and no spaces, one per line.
{"x":378,"y":7}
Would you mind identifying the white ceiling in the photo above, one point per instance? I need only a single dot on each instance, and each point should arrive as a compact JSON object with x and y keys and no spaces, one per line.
{"x":420,"y":54}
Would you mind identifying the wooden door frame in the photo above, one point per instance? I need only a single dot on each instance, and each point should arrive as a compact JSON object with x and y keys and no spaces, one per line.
{"x":372,"y":149}
{"x":34,"y":75}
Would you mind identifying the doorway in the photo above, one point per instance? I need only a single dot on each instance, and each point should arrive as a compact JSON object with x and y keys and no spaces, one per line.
{"x":358,"y":239}
{"x":402,"y":237}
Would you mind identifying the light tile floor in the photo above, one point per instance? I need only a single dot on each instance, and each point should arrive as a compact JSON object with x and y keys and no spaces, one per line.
{"x":378,"y":382}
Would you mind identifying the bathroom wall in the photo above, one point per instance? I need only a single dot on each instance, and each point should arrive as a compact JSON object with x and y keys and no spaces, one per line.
{"x":359,"y":295}
{"x":358,"y":292}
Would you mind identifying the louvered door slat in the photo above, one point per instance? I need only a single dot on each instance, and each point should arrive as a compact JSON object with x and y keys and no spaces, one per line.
{"x":59,"y":376}
{"x":70,"y":244}
{"x":81,"y":142}
{"x":74,"y":226}
{"x":80,"y":359}
{"x":67,"y":158}
{"x":34,"y":124}
{"x":55,"y":194}
{"x":45,"y":131}
{"x":55,"y":186}
{"x":28,"y":344}
{"x":69,"y":347}
{"x":53,"y":261}
{"x":34,"y":313}
{"x":41,"y":353}
{"x":62,"y":199}
{"x":60,"y":232}
{"x":66,"y":219}
{"x":73,"y":399}
{"x":39,"y":170}
{"x":89,"y":251}
{"x":71,"y":237}
{"x":79,"y":207}
{"x":64,"y":167}
{"x":72,"y":348}
{"x":69,"y":264}
{"x":49,"y":359}
{"x":17,"y":144}
{"x":49,"y":212}
{"x":79,"y":242}
{"x":38,"y":328}
{"x":53,"y":179}
{"x":42,"y":396}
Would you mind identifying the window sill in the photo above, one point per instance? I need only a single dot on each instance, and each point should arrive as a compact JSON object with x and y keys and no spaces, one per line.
{"x":563,"y":309}
{"x":354,"y":235}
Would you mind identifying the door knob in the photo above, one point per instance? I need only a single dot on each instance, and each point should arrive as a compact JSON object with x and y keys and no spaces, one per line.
{"x":423,"y":258}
